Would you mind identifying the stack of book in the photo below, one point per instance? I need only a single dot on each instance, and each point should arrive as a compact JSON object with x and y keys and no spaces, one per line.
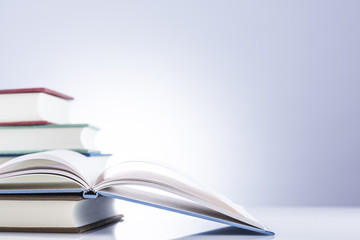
{"x":35,"y":120}
{"x":53,"y":178}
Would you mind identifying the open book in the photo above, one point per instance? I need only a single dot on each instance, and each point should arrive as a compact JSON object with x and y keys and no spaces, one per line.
{"x":64,"y":171}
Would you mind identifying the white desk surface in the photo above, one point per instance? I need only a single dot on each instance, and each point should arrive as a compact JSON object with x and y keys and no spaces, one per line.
{"x":287,"y":222}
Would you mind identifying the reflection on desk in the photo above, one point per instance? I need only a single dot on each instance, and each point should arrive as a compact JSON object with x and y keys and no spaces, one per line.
{"x":227,"y":233}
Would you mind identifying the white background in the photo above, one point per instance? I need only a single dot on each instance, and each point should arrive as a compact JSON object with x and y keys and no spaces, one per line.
{"x":256,"y":99}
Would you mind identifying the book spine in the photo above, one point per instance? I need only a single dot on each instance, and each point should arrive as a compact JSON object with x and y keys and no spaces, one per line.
{"x":90,"y":194}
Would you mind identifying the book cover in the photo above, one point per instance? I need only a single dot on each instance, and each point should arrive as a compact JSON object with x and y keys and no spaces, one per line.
{"x":36,"y":90}
{"x":25,"y":123}
{"x":72,"y":125}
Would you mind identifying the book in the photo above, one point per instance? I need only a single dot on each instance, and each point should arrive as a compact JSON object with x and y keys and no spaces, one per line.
{"x":67,"y":213}
{"x":135,"y":181}
{"x":95,"y":160}
{"x":36,"y":138}
{"x":33,"y":106}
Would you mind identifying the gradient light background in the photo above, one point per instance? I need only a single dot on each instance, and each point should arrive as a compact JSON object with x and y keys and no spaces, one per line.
{"x":256,"y":99}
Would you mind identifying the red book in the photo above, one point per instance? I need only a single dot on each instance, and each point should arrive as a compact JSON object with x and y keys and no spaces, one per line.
{"x":24,"y":123}
{"x":33,"y":106}
{"x":36,"y":90}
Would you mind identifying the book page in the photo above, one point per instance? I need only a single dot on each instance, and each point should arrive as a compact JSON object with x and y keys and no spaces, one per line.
{"x":54,"y":170}
{"x":64,"y":163}
{"x":165,"y":200}
{"x":157,"y":177}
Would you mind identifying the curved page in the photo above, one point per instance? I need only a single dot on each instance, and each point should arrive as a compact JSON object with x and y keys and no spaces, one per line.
{"x":173,"y":203}
{"x":54,"y":163}
{"x":157,"y":177}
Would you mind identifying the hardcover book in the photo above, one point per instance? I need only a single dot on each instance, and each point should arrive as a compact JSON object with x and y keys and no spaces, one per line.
{"x":66,"y":213}
{"x":33,"y":106}
{"x":139,"y":182}
{"x":36,"y":138}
